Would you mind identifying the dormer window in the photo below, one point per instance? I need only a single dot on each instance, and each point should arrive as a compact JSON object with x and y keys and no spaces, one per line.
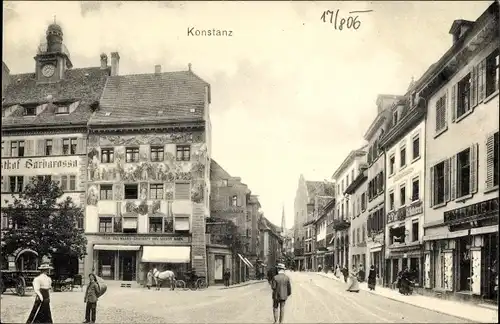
{"x":413,"y":99}
{"x":395,"y":116}
{"x":30,"y":111}
{"x":62,"y":110}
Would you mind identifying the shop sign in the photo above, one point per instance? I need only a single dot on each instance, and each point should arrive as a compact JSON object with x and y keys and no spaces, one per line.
{"x":135,"y":238}
{"x":40,"y":163}
{"x":391,"y":216}
{"x":415,"y":208}
{"x":472,"y":212}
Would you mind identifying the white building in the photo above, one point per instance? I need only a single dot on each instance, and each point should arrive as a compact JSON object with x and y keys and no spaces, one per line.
{"x":405,"y":156}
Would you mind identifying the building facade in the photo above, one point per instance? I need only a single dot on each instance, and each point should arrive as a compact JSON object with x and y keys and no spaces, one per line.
{"x":356,"y":193}
{"x":148,"y":175}
{"x":320,"y":229}
{"x":403,"y":144}
{"x":343,"y":177}
{"x":44,"y":129}
{"x":461,"y":211}
{"x":271,"y":248}
{"x":375,"y":196}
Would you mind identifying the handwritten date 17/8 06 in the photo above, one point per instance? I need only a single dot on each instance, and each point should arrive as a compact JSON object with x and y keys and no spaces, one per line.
{"x":339,"y":22}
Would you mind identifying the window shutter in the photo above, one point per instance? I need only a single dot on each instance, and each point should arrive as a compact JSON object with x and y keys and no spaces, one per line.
{"x":447,"y":180}
{"x":453,"y":107}
{"x":490,"y":157}
{"x":6,"y":149}
{"x":481,"y":80}
{"x":473,"y":168}
{"x":81,"y":145}
{"x":473,"y":77}
{"x":40,"y":147}
{"x":182,"y":191}
{"x":431,"y":196}
{"x":453,"y":177}
{"x":445,"y":109}
{"x":29,"y":148}
{"x":57,"y":146}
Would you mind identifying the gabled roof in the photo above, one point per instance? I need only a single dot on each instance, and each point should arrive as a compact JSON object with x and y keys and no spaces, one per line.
{"x":84,"y":85}
{"x":217,"y":172}
{"x":321,"y":188}
{"x":152,"y":98}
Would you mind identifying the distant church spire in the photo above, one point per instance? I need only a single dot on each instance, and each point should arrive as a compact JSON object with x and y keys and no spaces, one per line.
{"x":283,"y":223}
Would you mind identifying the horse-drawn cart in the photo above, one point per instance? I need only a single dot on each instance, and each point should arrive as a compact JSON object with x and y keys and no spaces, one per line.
{"x":17,"y":281}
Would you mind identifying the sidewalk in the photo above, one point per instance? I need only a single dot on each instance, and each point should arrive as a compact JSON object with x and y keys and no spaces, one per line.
{"x":242,"y":284}
{"x":453,"y":308}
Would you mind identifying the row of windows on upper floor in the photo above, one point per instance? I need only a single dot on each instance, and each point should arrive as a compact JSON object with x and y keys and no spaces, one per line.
{"x":393,"y":167}
{"x":16,"y":184}
{"x":480,"y":84}
{"x":343,"y":185}
{"x":72,"y":146}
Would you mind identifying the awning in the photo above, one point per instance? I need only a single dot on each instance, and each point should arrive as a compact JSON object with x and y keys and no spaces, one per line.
{"x":105,"y":247}
{"x":248,"y":262}
{"x":166,"y":254}
{"x":445,"y":236}
{"x":245,"y":261}
{"x":129,"y":222}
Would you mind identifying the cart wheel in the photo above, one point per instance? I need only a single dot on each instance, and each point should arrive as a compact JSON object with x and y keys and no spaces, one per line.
{"x":21,"y":286}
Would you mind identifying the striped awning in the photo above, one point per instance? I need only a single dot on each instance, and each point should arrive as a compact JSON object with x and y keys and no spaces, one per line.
{"x":108,"y":247}
{"x":166,"y":254}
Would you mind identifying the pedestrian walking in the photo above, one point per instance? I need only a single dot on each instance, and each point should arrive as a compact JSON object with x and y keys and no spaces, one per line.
{"x":345,"y":273}
{"x":338,"y":273}
{"x":149,"y":279}
{"x":40,"y":313}
{"x":282,"y":289}
{"x":353,"y":285}
{"x":227,"y":276}
{"x":91,"y":296}
{"x":372,"y":278}
{"x":361,"y":273}
{"x":273,"y":271}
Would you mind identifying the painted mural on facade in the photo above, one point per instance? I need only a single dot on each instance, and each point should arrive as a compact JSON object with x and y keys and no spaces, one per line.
{"x":144,"y":171}
{"x":448,"y":271}
{"x":427,"y":271}
{"x":476,"y":271}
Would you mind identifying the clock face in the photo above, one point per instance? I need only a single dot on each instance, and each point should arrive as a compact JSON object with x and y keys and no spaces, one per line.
{"x":48,"y":70}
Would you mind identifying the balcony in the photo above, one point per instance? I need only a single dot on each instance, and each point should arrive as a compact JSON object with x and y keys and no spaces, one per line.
{"x":341,"y":224}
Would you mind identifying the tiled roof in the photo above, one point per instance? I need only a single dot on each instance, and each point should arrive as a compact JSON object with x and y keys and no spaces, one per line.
{"x":84,"y":85}
{"x":152,"y":98}
{"x":320,"y":188}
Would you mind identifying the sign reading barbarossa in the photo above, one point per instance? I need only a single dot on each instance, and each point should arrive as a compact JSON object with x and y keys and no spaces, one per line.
{"x":40,"y":163}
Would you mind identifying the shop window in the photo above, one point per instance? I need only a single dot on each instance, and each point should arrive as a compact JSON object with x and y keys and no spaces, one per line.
{"x":415,"y":190}
{"x":155,"y":224}
{"x":182,"y":191}
{"x":107,"y":155}
{"x":181,"y":223}
{"x":183,"y":152}
{"x":106,"y":192}
{"x":157,"y":153}
{"x":48,"y":147}
{"x":439,"y":183}
{"x":17,"y":148}
{"x":464,"y":96}
{"x":402,"y":157}
{"x":16,"y":183}
{"x":156,"y":190}
{"x":414,"y":231}
{"x":397,"y":235}
{"x":463,"y":173}
{"x":131,"y":191}
{"x":492,"y":73}
{"x":132,"y":154}
{"x":392,"y":163}
{"x":105,"y":224}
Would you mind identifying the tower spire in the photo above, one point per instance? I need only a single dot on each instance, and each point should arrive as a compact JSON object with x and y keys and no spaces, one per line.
{"x":283,"y":223}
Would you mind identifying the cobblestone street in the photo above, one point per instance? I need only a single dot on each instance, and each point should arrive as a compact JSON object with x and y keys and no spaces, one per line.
{"x":314,"y":299}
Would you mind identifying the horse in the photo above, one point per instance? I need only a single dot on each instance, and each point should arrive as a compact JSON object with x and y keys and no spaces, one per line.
{"x":159,"y":277}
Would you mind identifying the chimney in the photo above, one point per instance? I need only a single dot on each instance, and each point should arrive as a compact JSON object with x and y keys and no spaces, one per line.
{"x":189,"y":67}
{"x":157,"y":69}
{"x":115,"y":63}
{"x":104,"y":61}
{"x":5,"y":76}
{"x":459,"y":28}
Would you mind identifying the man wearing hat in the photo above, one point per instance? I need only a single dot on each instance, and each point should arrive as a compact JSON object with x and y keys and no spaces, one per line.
{"x":282,"y":289}
{"x":40,"y":312}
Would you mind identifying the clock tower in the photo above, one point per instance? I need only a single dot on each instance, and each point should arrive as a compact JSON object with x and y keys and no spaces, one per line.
{"x":52,"y":59}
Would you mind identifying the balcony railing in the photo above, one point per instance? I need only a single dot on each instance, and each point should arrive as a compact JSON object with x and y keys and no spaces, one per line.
{"x":341,"y":224}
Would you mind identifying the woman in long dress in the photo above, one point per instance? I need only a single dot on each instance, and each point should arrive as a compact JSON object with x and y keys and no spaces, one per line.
{"x":338,"y":273}
{"x":354,"y":285}
{"x":149,"y":279}
{"x":372,"y":278}
{"x":40,"y":313}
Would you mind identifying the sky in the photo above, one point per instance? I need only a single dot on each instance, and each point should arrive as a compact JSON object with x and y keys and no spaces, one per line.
{"x":291,"y":94}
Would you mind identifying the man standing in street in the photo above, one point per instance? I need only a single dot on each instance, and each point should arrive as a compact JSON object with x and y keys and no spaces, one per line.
{"x":282,"y":289}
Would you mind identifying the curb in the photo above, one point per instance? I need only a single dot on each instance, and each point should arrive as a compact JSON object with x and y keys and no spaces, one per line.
{"x":248,"y":283}
{"x":407,"y":302}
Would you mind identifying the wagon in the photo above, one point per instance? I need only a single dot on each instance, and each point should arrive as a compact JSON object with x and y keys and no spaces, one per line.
{"x":17,"y":281}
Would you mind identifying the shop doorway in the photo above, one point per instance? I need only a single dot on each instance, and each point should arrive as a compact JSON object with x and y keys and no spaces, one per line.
{"x":489,"y":268}
{"x":395,"y":269}
{"x":464,"y":282}
{"x":106,"y":264}
{"x":219,"y":268}
{"x":127,"y":265}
